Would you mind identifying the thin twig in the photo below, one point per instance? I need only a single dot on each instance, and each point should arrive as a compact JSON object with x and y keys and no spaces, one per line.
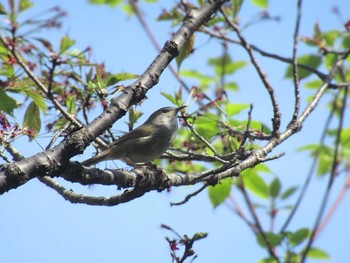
{"x":200,"y":137}
{"x":295,"y":64}
{"x":276,"y":121}
{"x":188,"y":197}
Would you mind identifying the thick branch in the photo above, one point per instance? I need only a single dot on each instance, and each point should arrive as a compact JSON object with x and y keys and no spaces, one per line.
{"x":53,"y":161}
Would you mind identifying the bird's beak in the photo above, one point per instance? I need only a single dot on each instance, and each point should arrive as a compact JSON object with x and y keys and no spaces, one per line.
{"x":181,"y":107}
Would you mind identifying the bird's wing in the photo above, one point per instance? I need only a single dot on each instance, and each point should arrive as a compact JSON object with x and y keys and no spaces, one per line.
{"x":138,"y":134}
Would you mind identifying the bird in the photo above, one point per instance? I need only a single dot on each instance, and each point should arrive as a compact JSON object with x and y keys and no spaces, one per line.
{"x":146,"y":142}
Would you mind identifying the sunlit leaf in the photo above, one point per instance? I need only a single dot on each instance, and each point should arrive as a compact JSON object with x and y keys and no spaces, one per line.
{"x":66,"y":43}
{"x":235,"y":108}
{"x":32,"y":120}
{"x":207,"y":125}
{"x":24,"y":5}
{"x":261,"y":3}
{"x":37,"y":98}
{"x":219,"y":193}
{"x":253,"y":182}
{"x":71,"y":104}
{"x":170,"y":97}
{"x":111,"y":3}
{"x":116,"y":78}
{"x":317,"y":253}
{"x":7,"y":104}
{"x":313,"y":84}
{"x":2,"y":9}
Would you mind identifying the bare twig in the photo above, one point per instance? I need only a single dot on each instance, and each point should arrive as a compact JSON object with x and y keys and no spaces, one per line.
{"x":276,"y":121}
{"x":295,"y":63}
{"x":188,"y":197}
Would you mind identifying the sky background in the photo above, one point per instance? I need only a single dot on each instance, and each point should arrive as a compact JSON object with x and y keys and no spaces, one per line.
{"x":40,"y":226}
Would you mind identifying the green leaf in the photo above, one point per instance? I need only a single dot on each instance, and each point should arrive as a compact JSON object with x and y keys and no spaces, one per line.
{"x":2,"y":9}
{"x":202,"y":78}
{"x":219,"y":193}
{"x":268,"y":260}
{"x":207,"y":125}
{"x":261,"y":3}
{"x":37,"y":98}
{"x":225,"y":65}
{"x":24,"y":5}
{"x":310,"y":60}
{"x":111,"y":3}
{"x":231,"y":86}
{"x":7,"y":104}
{"x":273,"y":239}
{"x":235,"y":108}
{"x":331,"y":36}
{"x":66,"y":43}
{"x":298,"y":236}
{"x":185,"y":51}
{"x":313,"y":84}
{"x":255,"y":183}
{"x":114,"y":79}
{"x":170,"y":97}
{"x":289,"y":192}
{"x":317,"y":253}
{"x":275,"y":188}
{"x":71,"y":104}
{"x":32,"y":120}
{"x":236,"y":7}
{"x":134,"y":115}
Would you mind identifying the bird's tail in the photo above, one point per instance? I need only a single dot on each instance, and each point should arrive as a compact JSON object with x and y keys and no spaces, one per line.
{"x":94,"y":160}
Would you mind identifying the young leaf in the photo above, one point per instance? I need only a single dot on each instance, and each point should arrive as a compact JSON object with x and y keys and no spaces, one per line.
{"x":298,"y":236}
{"x":71,"y":104}
{"x":24,"y":4}
{"x":219,"y":192}
{"x":261,"y":3}
{"x":169,"y":97}
{"x":289,"y":192}
{"x":32,"y":120}
{"x":66,"y":43}
{"x":235,"y":108}
{"x":111,"y":3}
{"x":272,"y":238}
{"x":310,"y":60}
{"x":115,"y":78}
{"x":2,"y":9}
{"x":37,"y":98}
{"x":255,"y":183}
{"x":185,"y":51}
{"x":236,"y":6}
{"x":268,"y":260}
{"x":317,"y":253}
{"x":7,"y":104}
{"x":275,"y":188}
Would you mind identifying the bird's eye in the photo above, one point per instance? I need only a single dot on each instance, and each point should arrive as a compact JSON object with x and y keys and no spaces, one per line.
{"x":165,"y":110}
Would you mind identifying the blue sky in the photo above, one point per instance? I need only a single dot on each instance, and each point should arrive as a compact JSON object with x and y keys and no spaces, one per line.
{"x":39,"y":226}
